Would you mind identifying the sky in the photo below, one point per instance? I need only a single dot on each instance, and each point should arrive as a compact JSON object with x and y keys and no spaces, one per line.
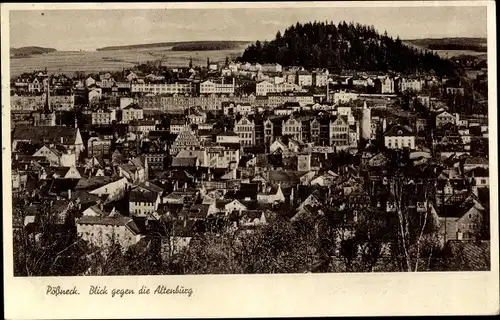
{"x":91,"y":29}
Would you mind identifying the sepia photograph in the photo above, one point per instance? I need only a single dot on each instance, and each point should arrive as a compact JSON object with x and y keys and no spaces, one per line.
{"x":205,"y":140}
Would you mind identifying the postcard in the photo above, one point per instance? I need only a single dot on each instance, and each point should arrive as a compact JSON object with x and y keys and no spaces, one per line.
{"x":212,"y":160}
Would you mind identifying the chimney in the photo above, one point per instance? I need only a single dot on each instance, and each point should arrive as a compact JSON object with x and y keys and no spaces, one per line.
{"x":69,"y":194}
{"x":62,"y":139}
{"x":459,"y":235}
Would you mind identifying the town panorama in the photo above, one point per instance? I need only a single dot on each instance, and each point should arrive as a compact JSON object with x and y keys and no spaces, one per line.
{"x":331,"y":148}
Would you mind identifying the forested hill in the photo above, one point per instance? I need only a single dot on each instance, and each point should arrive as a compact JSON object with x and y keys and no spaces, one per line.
{"x":344,"y":47}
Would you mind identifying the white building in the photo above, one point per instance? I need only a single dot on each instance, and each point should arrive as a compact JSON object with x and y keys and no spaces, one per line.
{"x":163,"y":88}
{"x":208,"y":87}
{"x":344,"y":97}
{"x":399,"y":137}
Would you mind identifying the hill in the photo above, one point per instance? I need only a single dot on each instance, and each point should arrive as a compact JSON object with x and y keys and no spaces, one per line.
{"x":182,"y":45}
{"x":28,"y":51}
{"x":209,"y":45}
{"x":472,"y":44}
{"x":345,"y":47}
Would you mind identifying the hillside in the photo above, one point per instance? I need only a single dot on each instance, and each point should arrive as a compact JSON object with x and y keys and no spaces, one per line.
{"x":182,"y":45}
{"x":345,"y":47}
{"x":209,"y":45}
{"x":29,"y":51}
{"x":472,"y":44}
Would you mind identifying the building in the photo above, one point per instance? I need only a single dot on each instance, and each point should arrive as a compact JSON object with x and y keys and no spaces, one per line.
{"x":410,"y":84}
{"x":99,"y":147}
{"x":399,"y":137}
{"x":245,"y":129}
{"x":68,"y":137}
{"x":163,"y":88}
{"x":264,"y":87}
{"x":444,"y":118}
{"x":142,"y":126}
{"x":339,"y":132}
{"x":344,"y":97}
{"x":366,"y":123}
{"x":385,"y":85}
{"x":304,"y":79}
{"x":276,"y":100}
{"x":208,"y":87}
{"x":101,"y":229}
{"x":132,"y":112}
{"x":320,"y":79}
{"x":228,"y":137}
{"x":143,"y":202}
{"x":102,"y":116}
{"x":292,"y":127}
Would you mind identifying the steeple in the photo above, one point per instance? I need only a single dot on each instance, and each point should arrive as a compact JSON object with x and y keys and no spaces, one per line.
{"x":47,"y":109}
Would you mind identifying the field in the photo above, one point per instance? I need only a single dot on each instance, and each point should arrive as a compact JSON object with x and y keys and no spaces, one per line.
{"x":69,"y":62}
{"x":452,"y":47}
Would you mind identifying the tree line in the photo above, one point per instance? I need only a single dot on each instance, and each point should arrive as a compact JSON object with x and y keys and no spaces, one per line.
{"x":345,"y":47}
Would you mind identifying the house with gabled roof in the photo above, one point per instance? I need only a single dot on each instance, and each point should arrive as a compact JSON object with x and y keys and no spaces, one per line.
{"x":399,"y":137}
{"x":102,"y":229}
{"x":461,"y":221}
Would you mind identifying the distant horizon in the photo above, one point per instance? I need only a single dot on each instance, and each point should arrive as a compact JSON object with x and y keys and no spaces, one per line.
{"x":93,"y":29}
{"x":167,"y":41}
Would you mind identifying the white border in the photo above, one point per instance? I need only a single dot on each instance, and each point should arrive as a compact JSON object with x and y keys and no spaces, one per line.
{"x":469,"y":293}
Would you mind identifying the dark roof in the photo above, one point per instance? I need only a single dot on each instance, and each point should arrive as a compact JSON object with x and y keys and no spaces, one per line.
{"x":45,"y":134}
{"x":473,"y":255}
{"x":139,"y":196}
{"x":286,"y":176}
{"x":93,"y":182}
{"x":198,"y":211}
{"x":478,"y":172}
{"x":132,"y":106}
{"x":457,"y":210}
{"x":398,"y":130}
{"x":118,"y":220}
{"x":184,"y":162}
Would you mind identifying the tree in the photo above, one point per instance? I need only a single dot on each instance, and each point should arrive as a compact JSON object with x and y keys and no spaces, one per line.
{"x":48,"y":249}
{"x":190,"y":63}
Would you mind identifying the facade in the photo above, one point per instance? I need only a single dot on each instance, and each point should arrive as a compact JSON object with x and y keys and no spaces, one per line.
{"x":399,"y":137}
{"x":208,"y":87}
{"x":339,"y":132}
{"x":265,"y":87}
{"x":98,"y":147}
{"x":444,"y":118}
{"x":344,"y":97}
{"x":304,"y":79}
{"x":132,"y":112}
{"x":245,"y":129}
{"x":292,"y":127}
{"x":163,"y":88}
{"x":103,"y":116}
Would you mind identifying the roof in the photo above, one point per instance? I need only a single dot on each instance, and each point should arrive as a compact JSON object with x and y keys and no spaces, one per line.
{"x":286,"y":176}
{"x":45,"y":133}
{"x":476,"y":160}
{"x":228,"y":133}
{"x":132,"y":106}
{"x":457,"y":210}
{"x":143,"y":196}
{"x":478,"y":172}
{"x":93,"y":182}
{"x":199,"y":211}
{"x":118,"y":220}
{"x":184,"y":162}
{"x":399,"y":131}
{"x":150,"y":186}
{"x":473,"y":255}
